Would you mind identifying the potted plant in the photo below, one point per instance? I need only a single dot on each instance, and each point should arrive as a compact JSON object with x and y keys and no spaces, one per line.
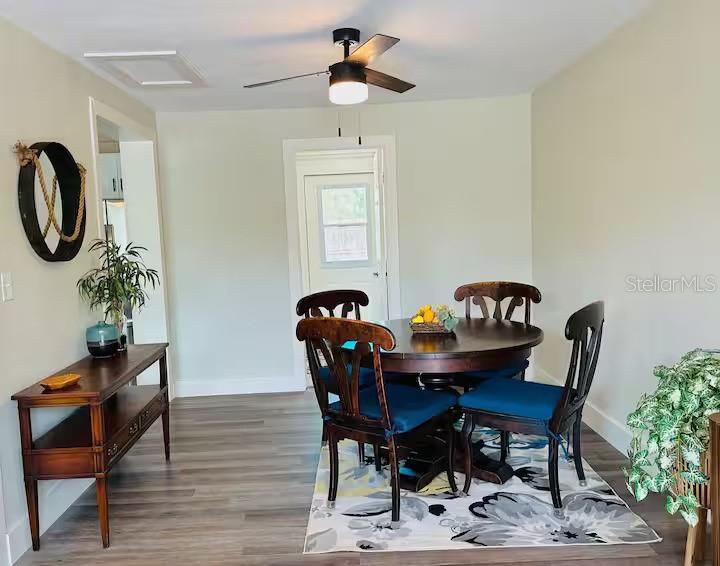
{"x":671,"y":432}
{"x":120,"y":280}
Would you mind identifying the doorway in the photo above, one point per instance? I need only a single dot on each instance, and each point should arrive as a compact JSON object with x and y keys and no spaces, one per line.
{"x":341,"y":201}
{"x":129,"y":211}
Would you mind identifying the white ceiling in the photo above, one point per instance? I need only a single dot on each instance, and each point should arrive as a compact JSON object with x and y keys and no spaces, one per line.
{"x":449,"y":48}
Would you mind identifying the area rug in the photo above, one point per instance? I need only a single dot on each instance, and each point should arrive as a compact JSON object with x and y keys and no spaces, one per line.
{"x":518,"y":513}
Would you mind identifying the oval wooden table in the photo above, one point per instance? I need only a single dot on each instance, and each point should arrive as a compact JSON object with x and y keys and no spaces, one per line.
{"x":476,"y":344}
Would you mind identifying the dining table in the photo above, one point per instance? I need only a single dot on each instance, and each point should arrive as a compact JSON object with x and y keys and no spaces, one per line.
{"x":435,"y":360}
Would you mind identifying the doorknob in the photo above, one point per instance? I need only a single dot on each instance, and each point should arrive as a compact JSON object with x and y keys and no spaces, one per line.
{"x":376,"y":274}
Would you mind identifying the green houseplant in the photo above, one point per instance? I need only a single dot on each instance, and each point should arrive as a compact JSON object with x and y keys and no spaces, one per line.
{"x":119,"y":280}
{"x":671,"y":432}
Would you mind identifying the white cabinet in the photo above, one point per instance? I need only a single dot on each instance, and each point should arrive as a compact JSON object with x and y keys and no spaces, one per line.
{"x":111,"y":177}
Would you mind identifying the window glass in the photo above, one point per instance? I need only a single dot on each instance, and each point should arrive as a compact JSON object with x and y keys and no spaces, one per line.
{"x":346,"y":243}
{"x":344,"y":205}
{"x":344,"y":230}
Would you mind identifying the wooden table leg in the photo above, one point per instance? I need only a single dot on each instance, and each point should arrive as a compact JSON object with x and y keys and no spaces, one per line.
{"x":166,"y":431}
{"x":166,"y":412}
{"x":30,"y":482}
{"x":97,"y":424}
{"x":32,"y":503}
{"x":102,"y":505}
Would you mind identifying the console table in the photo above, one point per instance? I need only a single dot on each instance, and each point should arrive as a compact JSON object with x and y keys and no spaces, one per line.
{"x":111,"y":416}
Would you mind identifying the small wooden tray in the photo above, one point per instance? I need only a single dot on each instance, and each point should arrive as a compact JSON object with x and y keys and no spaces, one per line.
{"x":60,"y":381}
{"x":428,"y":328}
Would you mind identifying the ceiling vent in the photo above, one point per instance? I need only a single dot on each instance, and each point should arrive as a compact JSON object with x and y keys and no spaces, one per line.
{"x":147,"y":69}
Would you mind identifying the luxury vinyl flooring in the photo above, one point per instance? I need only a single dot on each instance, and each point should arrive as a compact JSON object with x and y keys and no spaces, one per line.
{"x":238,"y":490}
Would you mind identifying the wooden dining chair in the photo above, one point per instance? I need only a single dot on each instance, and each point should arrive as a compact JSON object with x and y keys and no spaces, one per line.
{"x":386,"y":414}
{"x":344,"y":302}
{"x":520,"y":294}
{"x":327,"y":303}
{"x":536,"y":408}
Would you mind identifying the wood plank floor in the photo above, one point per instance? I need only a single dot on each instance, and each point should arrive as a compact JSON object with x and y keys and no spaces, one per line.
{"x":238,"y":491}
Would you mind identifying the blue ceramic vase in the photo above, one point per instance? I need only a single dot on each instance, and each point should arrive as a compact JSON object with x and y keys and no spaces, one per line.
{"x":103,"y":340}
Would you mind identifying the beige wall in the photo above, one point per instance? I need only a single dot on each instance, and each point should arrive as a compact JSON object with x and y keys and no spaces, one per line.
{"x":464,"y":215}
{"x":44,"y":97}
{"x":626,"y":181}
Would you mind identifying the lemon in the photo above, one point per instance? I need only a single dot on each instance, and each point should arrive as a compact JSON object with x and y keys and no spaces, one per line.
{"x":417,"y":320}
{"x":429,"y":315}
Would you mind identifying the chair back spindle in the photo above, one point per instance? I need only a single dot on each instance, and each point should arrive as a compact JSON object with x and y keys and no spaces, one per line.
{"x":519,"y":294}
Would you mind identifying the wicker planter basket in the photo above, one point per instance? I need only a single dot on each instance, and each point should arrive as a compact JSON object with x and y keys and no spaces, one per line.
{"x":428,"y":328}
{"x":701,"y":492}
{"x":695,"y":545}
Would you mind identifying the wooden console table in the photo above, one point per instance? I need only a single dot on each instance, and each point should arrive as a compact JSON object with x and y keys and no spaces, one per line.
{"x":111,"y":416}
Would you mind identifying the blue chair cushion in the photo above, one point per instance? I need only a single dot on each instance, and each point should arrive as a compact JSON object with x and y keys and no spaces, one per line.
{"x":524,"y":399}
{"x":367,"y":377}
{"x":504,"y":372}
{"x":409,"y":407}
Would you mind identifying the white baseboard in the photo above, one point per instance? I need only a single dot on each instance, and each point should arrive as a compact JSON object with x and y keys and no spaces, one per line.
{"x":236,"y":386}
{"x":52,"y":505}
{"x":615,"y":432}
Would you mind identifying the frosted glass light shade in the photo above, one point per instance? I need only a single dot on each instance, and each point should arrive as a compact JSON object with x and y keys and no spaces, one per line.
{"x":348,"y":92}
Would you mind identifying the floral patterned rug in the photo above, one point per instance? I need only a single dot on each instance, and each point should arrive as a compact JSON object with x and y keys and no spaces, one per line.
{"x":518,"y":513}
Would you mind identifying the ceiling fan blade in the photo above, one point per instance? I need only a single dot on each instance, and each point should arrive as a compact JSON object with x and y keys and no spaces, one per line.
{"x":371,"y":49}
{"x":287,"y":79}
{"x":386,"y":81}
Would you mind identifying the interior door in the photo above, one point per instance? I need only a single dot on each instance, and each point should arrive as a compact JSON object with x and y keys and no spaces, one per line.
{"x":345,"y":239}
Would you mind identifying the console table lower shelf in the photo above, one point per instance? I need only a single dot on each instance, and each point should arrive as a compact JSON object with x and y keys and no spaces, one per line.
{"x":111,"y":416}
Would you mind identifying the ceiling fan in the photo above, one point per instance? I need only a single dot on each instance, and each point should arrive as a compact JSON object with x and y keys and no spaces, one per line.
{"x":349,"y":78}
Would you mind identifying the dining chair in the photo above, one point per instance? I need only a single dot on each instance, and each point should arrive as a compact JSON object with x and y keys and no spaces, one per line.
{"x":519,"y":294}
{"x":386,"y":414}
{"x":536,"y":408}
{"x":344,"y":302}
{"x":327,"y":303}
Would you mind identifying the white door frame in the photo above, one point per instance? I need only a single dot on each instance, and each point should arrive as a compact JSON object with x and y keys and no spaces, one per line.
{"x":383,"y":149}
{"x":138,"y":132}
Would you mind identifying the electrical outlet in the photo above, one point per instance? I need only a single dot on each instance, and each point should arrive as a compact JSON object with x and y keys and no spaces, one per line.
{"x":6,"y":287}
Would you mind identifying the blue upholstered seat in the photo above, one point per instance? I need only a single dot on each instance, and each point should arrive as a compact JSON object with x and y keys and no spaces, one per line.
{"x":523,"y":399}
{"x":367,"y":377}
{"x":504,"y":372}
{"x":409,"y":407}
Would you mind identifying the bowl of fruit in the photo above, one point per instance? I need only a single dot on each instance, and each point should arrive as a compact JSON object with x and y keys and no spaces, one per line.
{"x":438,"y":320}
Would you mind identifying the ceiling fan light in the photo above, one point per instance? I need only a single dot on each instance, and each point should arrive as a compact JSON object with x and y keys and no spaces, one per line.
{"x":347,"y":84}
{"x":348,"y":92}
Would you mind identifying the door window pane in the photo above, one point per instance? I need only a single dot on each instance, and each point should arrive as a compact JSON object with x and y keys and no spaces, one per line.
{"x":344,"y":205}
{"x":346,"y":243}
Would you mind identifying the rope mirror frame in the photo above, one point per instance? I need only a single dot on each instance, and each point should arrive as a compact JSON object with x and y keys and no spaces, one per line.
{"x":70,"y":179}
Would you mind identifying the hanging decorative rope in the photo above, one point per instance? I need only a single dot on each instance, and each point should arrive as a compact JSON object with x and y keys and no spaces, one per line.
{"x":28,"y":155}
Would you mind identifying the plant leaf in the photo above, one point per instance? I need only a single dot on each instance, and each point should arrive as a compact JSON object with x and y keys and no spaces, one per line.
{"x":672,"y":505}
{"x":691,"y":517}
